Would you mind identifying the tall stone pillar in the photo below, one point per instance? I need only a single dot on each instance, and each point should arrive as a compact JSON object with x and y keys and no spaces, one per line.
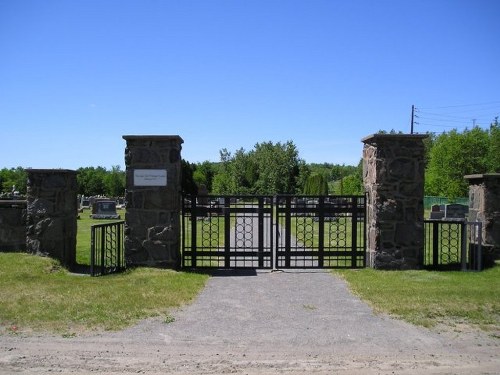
{"x":152,"y":220}
{"x":484,"y":206}
{"x":393,"y":177}
{"x":52,"y":213}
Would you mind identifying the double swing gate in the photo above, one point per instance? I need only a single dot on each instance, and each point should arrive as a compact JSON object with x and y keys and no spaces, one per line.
{"x":274,"y":232}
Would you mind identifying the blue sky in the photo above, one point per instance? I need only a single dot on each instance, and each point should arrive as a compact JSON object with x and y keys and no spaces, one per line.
{"x":76,"y":75}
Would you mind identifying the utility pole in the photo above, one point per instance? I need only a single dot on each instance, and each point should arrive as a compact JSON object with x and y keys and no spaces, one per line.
{"x":412,"y":117}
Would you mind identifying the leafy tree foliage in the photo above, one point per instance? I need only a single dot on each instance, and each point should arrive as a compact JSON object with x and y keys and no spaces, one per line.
{"x":99,"y":181}
{"x":204,"y":173}
{"x":91,"y":181}
{"x":278,"y":167}
{"x":316,"y":185}
{"x":14,"y":177}
{"x":494,"y":151}
{"x":353,"y":183}
{"x":268,"y":169}
{"x":454,"y":155}
{"x":188,"y":185}
{"x":114,"y":182}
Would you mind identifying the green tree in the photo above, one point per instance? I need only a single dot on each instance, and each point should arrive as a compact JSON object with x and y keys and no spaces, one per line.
{"x":114,"y":182}
{"x":13,"y":177}
{"x":353,"y":183}
{"x":222,"y":184}
{"x":278,"y":167}
{"x":188,"y":184}
{"x":494,"y":149}
{"x":91,"y":181}
{"x":452,"y":156}
{"x":203,"y":174}
{"x":316,"y":185}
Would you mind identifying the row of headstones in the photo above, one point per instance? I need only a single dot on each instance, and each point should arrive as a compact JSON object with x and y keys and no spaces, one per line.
{"x":449,"y":211}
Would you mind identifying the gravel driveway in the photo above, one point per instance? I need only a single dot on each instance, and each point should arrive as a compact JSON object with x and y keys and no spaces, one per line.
{"x":261,"y":322}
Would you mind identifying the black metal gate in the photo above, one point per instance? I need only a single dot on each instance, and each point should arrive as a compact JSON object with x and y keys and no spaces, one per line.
{"x":227,"y":232}
{"x":320,"y":232}
{"x":273,"y":232}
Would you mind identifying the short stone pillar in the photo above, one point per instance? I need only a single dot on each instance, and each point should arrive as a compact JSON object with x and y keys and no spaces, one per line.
{"x":52,"y":212}
{"x":12,"y":225}
{"x":393,"y":177}
{"x":484,"y":206}
{"x":152,"y":219}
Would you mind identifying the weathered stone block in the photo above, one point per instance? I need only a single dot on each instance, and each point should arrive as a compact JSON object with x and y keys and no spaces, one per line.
{"x":152,"y":224}
{"x":394,"y":179}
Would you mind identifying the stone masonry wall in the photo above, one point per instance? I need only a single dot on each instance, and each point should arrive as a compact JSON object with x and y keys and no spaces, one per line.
{"x":52,"y":213}
{"x":12,"y":225}
{"x":393,"y":169}
{"x":152,"y":220}
{"x":484,"y":206}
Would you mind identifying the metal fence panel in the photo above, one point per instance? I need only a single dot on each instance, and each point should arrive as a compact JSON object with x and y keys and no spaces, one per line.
{"x":107,"y":248}
{"x":452,"y":245}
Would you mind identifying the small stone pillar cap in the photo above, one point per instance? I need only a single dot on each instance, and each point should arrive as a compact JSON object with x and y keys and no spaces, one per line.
{"x":373,"y":138}
{"x":47,"y":171}
{"x":486,"y":176}
{"x":153,"y":138}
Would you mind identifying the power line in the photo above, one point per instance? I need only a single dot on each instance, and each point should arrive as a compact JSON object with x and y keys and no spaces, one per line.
{"x":464,"y":105}
{"x":455,"y":118}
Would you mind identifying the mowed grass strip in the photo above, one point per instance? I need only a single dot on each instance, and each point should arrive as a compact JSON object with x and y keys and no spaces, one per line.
{"x":429,"y":298}
{"x":37,"y":294}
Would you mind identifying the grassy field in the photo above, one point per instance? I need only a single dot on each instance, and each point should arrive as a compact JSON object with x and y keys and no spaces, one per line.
{"x":37,"y":294}
{"x":429,"y":298}
{"x":83,"y":237}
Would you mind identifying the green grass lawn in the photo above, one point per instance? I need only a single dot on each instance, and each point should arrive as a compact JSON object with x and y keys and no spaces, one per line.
{"x":37,"y":294}
{"x":429,"y":298}
{"x":83,"y":236}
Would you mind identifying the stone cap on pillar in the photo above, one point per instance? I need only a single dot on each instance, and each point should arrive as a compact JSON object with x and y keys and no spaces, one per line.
{"x":374,"y":138}
{"x":50,"y":171}
{"x":153,"y":138}
{"x":479,"y":178}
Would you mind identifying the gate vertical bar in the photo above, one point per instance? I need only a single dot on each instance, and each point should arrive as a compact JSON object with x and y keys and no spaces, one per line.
{"x":194,"y":225}
{"x":118,"y":250}
{"x":271,"y":235}
{"x":354,"y":231}
{"x":435,"y":244}
{"x":463,"y":245}
{"x":288,"y":231}
{"x":92,"y":250}
{"x":227,"y":232}
{"x":102,"y":231}
{"x":261,"y":231}
{"x":321,"y":231}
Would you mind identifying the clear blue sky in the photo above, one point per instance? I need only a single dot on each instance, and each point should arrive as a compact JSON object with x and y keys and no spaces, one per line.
{"x":76,"y":75}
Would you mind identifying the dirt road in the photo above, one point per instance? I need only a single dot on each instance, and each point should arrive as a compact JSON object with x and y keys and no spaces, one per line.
{"x":292,"y":322}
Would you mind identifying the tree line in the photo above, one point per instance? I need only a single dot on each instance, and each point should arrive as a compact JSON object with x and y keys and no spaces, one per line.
{"x":91,"y":181}
{"x":276,"y":168}
{"x":268,"y":169}
{"x":452,"y":155}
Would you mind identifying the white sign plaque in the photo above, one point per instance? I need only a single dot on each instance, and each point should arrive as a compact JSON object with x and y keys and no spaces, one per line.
{"x":150,"y":177}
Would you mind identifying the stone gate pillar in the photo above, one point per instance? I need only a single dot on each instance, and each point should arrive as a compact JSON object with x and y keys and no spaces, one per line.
{"x":52,"y":212}
{"x":484,"y":206}
{"x":393,"y":177}
{"x":153,"y":182}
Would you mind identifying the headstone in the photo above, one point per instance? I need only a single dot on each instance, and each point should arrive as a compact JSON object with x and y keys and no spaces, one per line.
{"x":104,"y":209}
{"x":436,"y":213}
{"x":456,"y":211}
{"x":202,"y":195}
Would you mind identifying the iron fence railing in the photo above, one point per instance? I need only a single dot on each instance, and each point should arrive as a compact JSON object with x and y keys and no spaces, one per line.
{"x":453,"y":245}
{"x":106,"y":248}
